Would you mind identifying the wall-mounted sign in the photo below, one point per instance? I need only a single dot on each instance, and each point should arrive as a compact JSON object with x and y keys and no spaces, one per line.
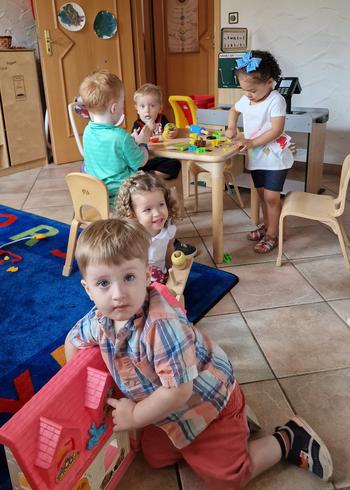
{"x":182,"y":24}
{"x":234,"y":39}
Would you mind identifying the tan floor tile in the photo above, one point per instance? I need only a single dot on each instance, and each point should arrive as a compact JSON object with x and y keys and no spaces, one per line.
{"x":13,"y":200}
{"x":50,"y":184}
{"x":64,"y":214}
{"x":327,"y":275}
{"x":267,"y":286}
{"x":140,"y":476}
{"x":14,"y":186}
{"x":235,"y":220}
{"x":241,"y":250}
{"x":310,"y":241}
{"x":271,"y":407}
{"x":323,"y":400}
{"x":342,"y":308}
{"x":295,"y":221}
{"x":233,"y":336}
{"x":56,"y":171}
{"x":203,"y":256}
{"x":47,"y":198}
{"x":205,"y":202}
{"x":185,"y":228}
{"x":226,"y":305}
{"x":301,"y":339}
{"x":24,"y":176}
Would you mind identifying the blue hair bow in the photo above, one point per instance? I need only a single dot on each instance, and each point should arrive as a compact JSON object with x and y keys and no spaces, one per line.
{"x":248,"y":61}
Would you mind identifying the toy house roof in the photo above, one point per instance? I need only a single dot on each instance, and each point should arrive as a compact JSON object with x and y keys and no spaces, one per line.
{"x":34,"y":432}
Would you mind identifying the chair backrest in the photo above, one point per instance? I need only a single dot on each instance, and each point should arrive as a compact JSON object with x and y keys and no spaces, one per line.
{"x":339,"y":202}
{"x":88,"y":194}
{"x":72,"y":114}
{"x":185,"y":110}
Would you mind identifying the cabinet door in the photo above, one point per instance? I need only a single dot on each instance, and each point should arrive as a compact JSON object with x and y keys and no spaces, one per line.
{"x":22,"y":107}
{"x":75,"y":54}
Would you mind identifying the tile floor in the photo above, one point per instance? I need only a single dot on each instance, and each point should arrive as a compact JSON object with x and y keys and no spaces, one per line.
{"x":285,"y":329}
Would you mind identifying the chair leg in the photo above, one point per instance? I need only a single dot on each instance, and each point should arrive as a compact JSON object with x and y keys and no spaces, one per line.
{"x":342,"y":243}
{"x":231,"y":178}
{"x":195,"y":192}
{"x":345,"y":236}
{"x":280,"y":241}
{"x":72,"y":241}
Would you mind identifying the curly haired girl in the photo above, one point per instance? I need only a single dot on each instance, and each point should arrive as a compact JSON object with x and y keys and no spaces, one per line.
{"x":145,"y":197}
{"x":269,"y":158}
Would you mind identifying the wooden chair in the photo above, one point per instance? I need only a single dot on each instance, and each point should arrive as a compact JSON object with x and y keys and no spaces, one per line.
{"x":172,"y":184}
{"x":322,"y":208}
{"x":90,"y":203}
{"x":185,"y":112}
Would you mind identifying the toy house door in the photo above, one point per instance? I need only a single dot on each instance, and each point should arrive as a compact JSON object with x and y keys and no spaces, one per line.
{"x":68,"y":55}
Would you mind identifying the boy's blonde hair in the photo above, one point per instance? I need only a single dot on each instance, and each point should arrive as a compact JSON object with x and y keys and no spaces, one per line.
{"x":149,"y":89}
{"x":111,"y":242}
{"x":99,"y":89}
{"x":139,"y":183}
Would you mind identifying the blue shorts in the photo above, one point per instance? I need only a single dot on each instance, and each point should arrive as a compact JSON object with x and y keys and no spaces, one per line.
{"x":272,"y":180}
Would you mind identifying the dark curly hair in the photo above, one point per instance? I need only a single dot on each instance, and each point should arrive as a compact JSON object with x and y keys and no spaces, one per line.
{"x":268,"y":68}
{"x":143,"y":182}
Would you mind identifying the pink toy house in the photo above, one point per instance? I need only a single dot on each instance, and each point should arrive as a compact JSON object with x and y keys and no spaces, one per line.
{"x":63,"y":438}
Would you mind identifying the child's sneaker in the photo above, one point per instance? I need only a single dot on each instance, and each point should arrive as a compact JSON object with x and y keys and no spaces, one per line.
{"x":307,"y":450}
{"x":186,"y":248}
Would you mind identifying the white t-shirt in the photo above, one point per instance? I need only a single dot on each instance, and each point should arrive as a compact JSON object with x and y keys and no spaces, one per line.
{"x":159,"y":245}
{"x":257,"y":120}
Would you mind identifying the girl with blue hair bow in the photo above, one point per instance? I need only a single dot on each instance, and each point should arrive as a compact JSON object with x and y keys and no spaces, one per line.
{"x":269,"y":157}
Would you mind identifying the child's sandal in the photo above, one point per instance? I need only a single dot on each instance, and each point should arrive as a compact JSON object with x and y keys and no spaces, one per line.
{"x":258,"y":234}
{"x":266,"y":245}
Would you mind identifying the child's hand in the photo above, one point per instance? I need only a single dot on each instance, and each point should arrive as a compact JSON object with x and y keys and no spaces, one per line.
{"x":123,"y":414}
{"x":143,"y":136}
{"x":172,"y":133}
{"x":243,"y":144}
{"x":151,"y":125}
{"x":231,"y":132}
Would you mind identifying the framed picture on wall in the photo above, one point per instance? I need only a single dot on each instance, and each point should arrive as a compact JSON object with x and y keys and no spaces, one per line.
{"x":234,"y":39}
{"x":182,"y":26}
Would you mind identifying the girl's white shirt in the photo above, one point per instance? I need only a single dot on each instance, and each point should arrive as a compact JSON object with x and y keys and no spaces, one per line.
{"x":257,"y":120}
{"x":159,"y":245}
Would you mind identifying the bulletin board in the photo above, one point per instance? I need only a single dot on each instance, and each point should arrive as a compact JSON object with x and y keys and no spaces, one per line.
{"x":227,"y":77}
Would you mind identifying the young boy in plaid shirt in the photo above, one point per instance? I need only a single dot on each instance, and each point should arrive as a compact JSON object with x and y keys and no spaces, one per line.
{"x":179,"y":386}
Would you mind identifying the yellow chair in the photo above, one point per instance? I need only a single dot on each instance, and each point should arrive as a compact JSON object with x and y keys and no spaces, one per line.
{"x":322,"y":208}
{"x":90,"y":203}
{"x":185,"y":112}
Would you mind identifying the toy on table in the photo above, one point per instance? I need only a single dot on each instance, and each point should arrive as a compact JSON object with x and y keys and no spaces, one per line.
{"x":63,"y":438}
{"x":178,"y":275}
{"x":168,"y":128}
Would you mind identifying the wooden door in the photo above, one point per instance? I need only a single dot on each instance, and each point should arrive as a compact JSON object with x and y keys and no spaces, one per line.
{"x":185,"y":73}
{"x":74,"y":55}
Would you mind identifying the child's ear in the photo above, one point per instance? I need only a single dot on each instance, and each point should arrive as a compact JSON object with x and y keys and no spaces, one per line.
{"x":86,"y":287}
{"x":113,"y":107}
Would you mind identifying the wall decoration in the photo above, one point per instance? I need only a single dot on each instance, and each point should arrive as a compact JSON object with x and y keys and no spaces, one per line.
{"x":71,"y":16}
{"x":233,"y":18}
{"x":182,"y":23}
{"x":105,"y":25}
{"x":234,"y":39}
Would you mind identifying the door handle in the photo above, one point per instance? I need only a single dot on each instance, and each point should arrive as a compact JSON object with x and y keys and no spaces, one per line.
{"x":48,"y":42}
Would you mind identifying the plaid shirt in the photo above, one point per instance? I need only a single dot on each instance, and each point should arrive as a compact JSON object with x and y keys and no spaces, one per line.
{"x":159,"y":347}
